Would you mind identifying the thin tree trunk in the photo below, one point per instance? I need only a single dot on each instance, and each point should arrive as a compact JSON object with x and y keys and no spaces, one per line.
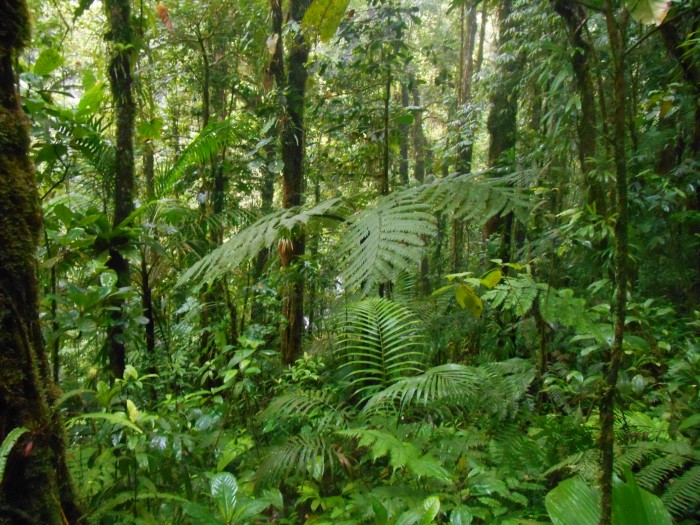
{"x":384,"y":176}
{"x":403,"y":130}
{"x":36,"y":486}
{"x":118,"y":16}
{"x":575,"y":17}
{"x":613,"y":357}
{"x":502,"y":124}
{"x":293,"y":147}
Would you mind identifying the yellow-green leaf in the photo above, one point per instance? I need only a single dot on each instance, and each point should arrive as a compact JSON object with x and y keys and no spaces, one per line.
{"x":648,"y":11}
{"x":49,"y":60}
{"x":324,"y":16}
{"x":468,"y":300}
{"x":132,"y":411}
{"x":492,"y":278}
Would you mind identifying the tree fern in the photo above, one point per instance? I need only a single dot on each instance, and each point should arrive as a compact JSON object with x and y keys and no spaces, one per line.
{"x":263,"y":233}
{"x":380,"y":343}
{"x":384,"y":240}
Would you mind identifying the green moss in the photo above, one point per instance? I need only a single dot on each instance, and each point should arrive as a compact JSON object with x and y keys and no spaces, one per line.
{"x":14,"y":25}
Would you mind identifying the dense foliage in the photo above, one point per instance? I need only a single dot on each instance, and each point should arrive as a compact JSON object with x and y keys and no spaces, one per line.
{"x":378,"y":261}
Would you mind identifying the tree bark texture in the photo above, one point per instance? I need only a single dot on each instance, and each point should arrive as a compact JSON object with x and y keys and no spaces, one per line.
{"x":293,"y":147}
{"x":613,"y":357}
{"x":36,"y":487}
{"x":502,"y":123}
{"x":120,"y":78}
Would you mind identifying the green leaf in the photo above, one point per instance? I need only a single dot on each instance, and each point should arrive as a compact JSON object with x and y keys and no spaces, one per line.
{"x":468,"y":300}
{"x":224,"y":489}
{"x":381,"y":516}
{"x":83,"y":6}
{"x":492,"y":278}
{"x":132,"y":411}
{"x":635,"y":506}
{"x":49,"y":60}
{"x":461,"y":515}
{"x":690,"y":422}
{"x":648,"y":11}
{"x":115,"y":419}
{"x":201,"y":514}
{"x":324,"y":16}
{"x":431,"y":507}
{"x":573,"y":502}
{"x":150,"y":129}
{"x":91,"y":101}
{"x":7,"y":445}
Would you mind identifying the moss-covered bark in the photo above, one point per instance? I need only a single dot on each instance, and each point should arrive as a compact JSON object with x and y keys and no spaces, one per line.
{"x":120,"y":78}
{"x":36,"y":485}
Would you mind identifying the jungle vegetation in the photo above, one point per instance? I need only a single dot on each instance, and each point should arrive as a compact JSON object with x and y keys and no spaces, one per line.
{"x":349,"y":261}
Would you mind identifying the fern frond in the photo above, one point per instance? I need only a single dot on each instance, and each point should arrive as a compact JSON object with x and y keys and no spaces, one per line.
{"x":659,"y":470}
{"x":401,"y":454}
{"x":300,"y":454}
{"x":476,"y":197}
{"x":380,"y":343}
{"x":321,"y":405}
{"x":384,"y":240}
{"x":211,"y":140}
{"x":683,"y":493}
{"x":456,"y":383}
{"x":262,"y":234}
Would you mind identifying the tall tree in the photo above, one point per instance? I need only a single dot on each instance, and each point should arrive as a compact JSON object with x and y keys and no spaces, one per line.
{"x":575,"y":16}
{"x":502,"y":119}
{"x":613,"y":358}
{"x":120,"y":78}
{"x":36,"y":487}
{"x":291,"y":80}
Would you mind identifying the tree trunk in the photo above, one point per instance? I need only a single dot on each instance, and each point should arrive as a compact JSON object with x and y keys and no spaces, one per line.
{"x":502,"y":124}
{"x":575,"y":16}
{"x":613,"y":357}
{"x":403,"y":130}
{"x":293,"y":147}
{"x":464,"y":96}
{"x":36,"y":485}
{"x":118,"y":16}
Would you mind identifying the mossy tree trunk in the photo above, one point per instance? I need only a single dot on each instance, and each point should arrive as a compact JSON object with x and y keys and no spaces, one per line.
{"x":575,"y":17}
{"x":36,"y":485}
{"x":120,"y":78}
{"x":613,"y":357}
{"x":292,"y":81}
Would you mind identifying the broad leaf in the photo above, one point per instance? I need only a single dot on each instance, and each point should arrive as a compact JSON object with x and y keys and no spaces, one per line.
{"x":324,"y":16}
{"x":648,"y":11}
{"x":224,"y":489}
{"x":49,"y":60}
